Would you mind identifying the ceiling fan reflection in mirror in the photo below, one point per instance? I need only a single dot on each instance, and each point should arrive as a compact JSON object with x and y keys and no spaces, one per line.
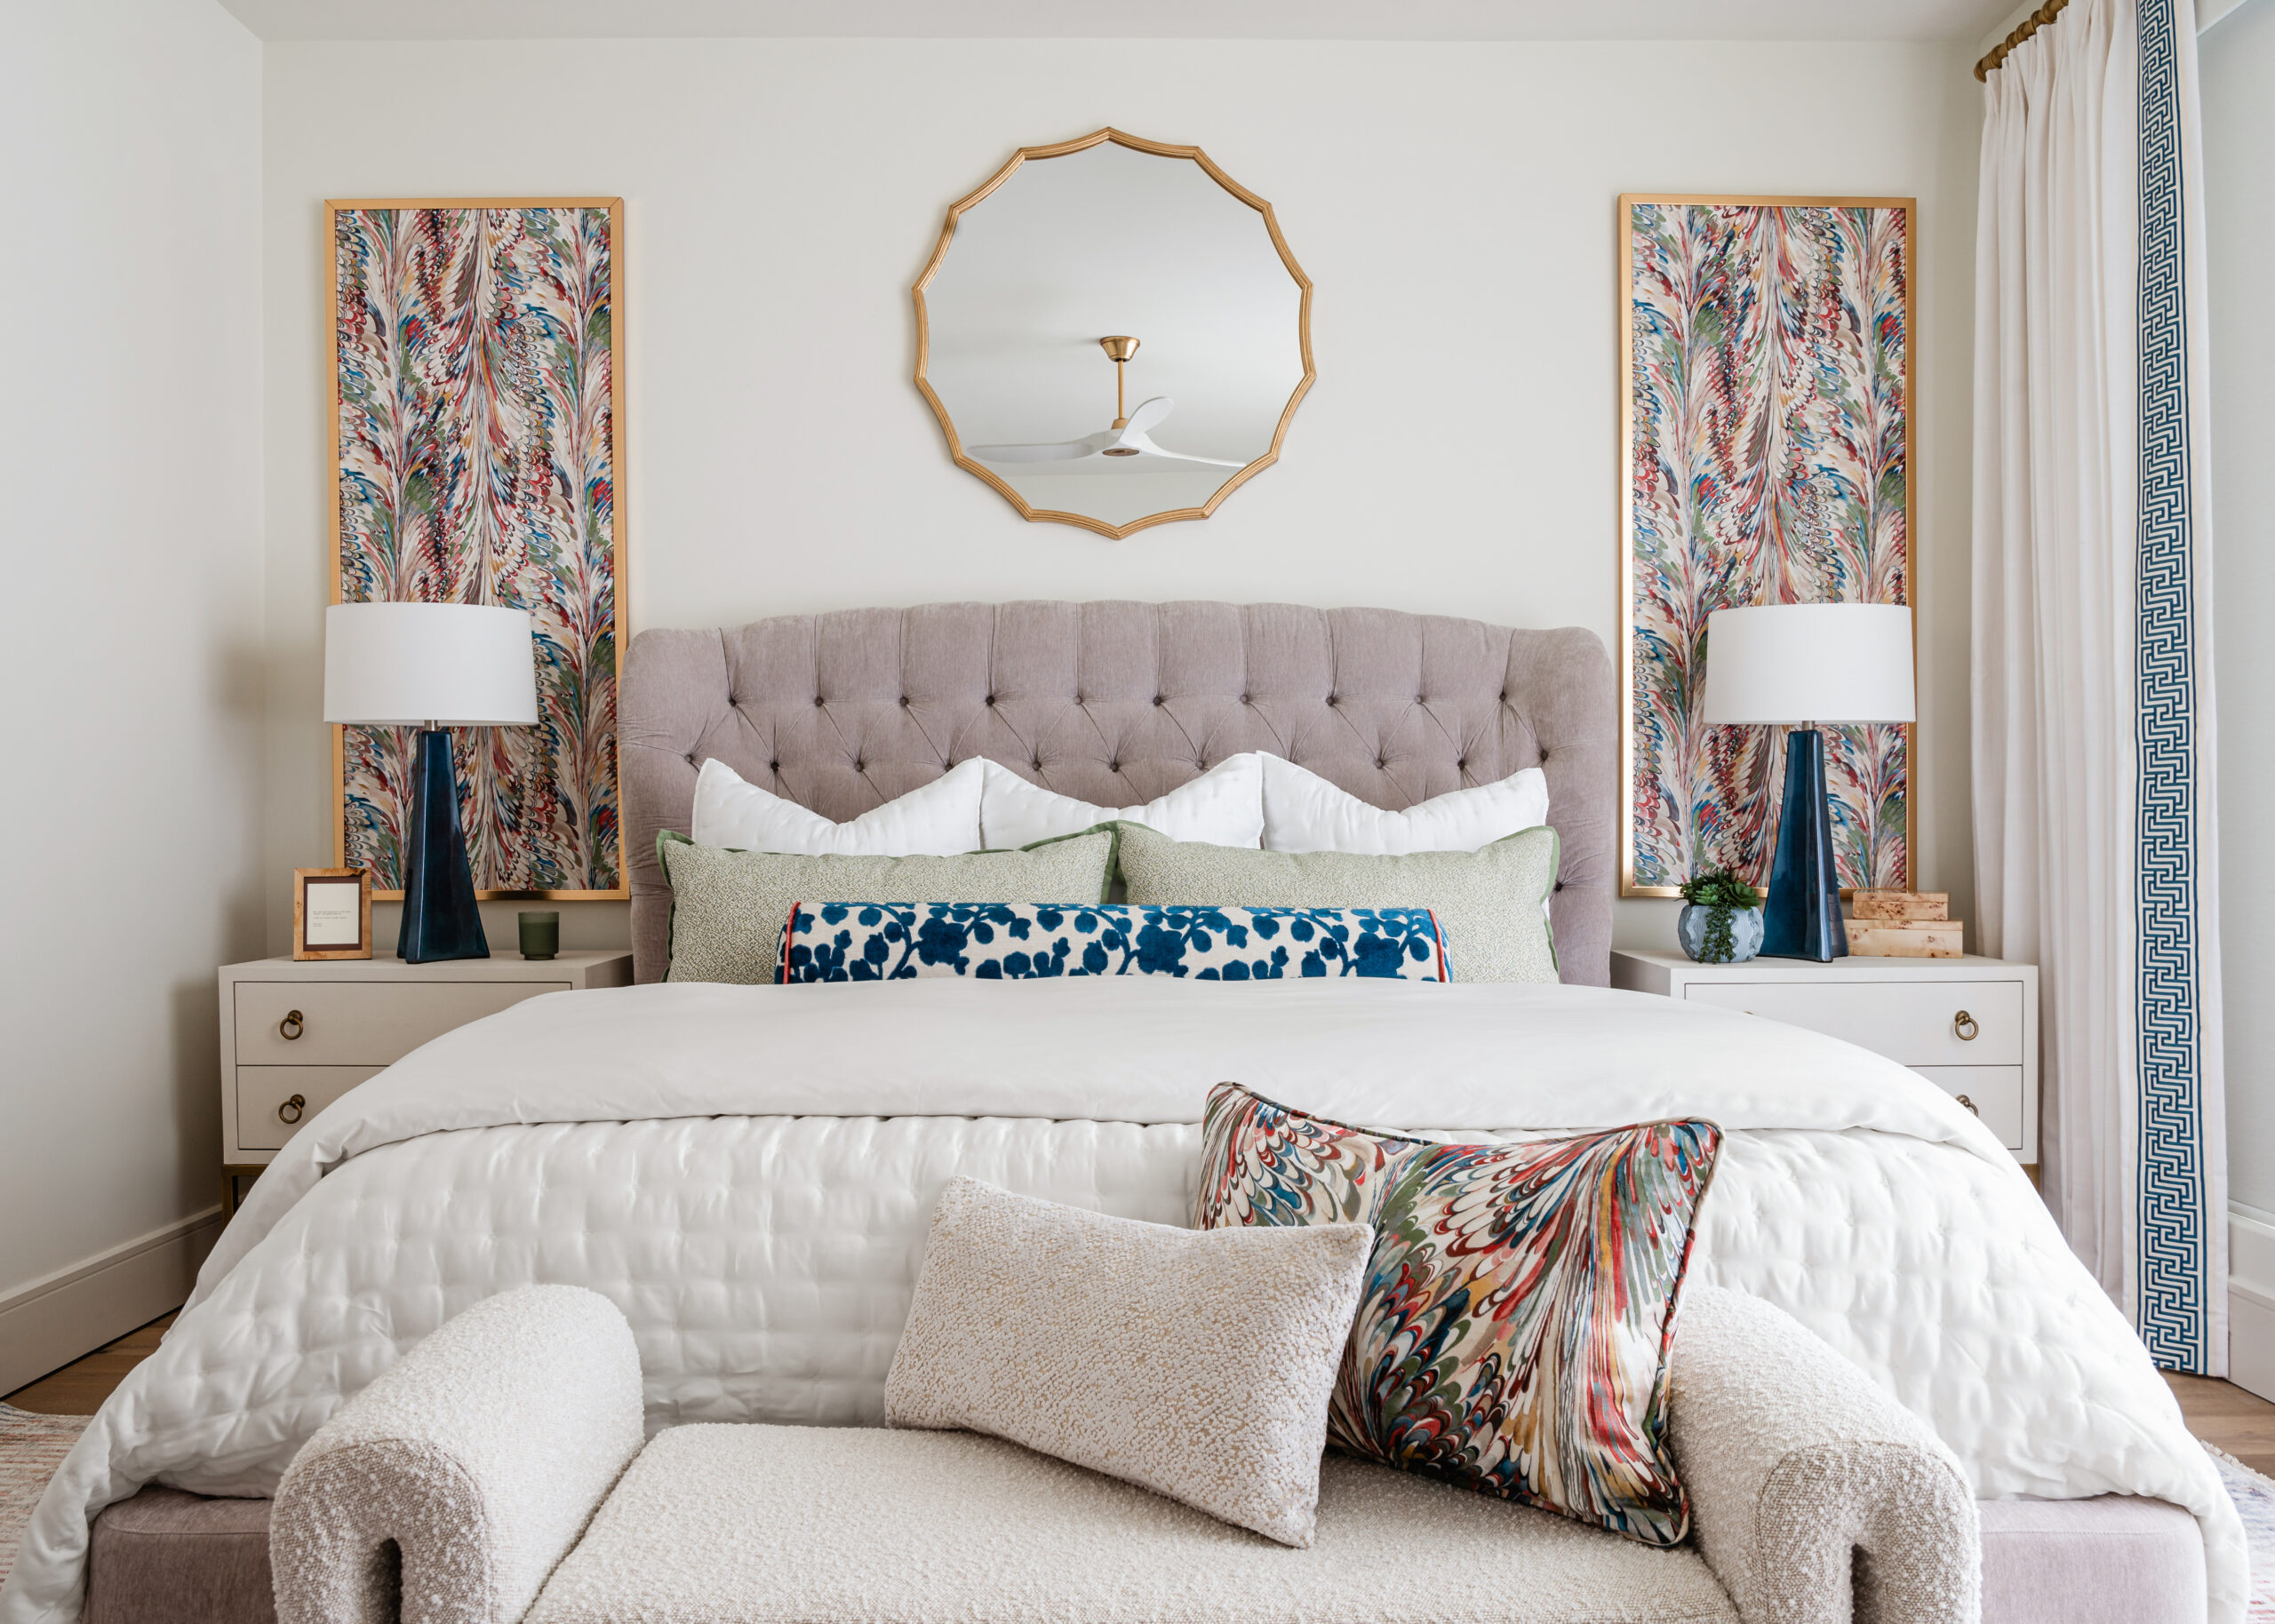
{"x":1124,"y":448}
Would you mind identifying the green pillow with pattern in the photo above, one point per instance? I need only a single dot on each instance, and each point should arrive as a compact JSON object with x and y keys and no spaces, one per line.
{"x":1491,"y":905}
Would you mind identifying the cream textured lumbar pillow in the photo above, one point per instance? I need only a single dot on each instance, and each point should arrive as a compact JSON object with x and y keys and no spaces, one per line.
{"x":1490,"y":904}
{"x":1196,"y":1364}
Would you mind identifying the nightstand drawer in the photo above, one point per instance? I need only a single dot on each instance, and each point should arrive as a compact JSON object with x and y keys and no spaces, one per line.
{"x":262,"y":1090}
{"x":1996,"y":1093}
{"x":1913,"y":1022}
{"x":363,"y":1023}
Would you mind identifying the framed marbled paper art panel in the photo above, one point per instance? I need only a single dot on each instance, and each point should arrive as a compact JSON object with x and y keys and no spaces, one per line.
{"x":477,"y":427}
{"x":1765,"y":374}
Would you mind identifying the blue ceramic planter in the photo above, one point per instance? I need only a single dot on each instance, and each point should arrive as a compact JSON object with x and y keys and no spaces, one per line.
{"x":1745,"y":932}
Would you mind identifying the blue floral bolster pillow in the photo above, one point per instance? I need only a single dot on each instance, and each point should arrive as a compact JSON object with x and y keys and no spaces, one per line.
{"x":1031,"y":941}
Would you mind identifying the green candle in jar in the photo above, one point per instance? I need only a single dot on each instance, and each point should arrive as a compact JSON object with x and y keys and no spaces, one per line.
{"x":541,"y":934}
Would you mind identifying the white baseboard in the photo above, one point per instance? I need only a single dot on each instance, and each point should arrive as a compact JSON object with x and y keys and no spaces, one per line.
{"x":61,"y":1317}
{"x":2251,"y":1301}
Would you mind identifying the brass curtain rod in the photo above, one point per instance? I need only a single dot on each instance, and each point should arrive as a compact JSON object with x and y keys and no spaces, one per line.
{"x":2029,"y":25}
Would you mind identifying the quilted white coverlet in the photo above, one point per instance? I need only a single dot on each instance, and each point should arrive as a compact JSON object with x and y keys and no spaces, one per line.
{"x":749,"y":1172}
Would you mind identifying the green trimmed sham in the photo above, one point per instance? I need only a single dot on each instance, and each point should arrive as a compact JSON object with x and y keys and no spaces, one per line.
{"x":728,"y":907}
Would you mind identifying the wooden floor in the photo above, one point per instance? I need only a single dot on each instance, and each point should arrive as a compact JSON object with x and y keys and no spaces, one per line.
{"x":2221,"y":1414}
{"x":2228,"y":1418}
{"x":79,"y":1389}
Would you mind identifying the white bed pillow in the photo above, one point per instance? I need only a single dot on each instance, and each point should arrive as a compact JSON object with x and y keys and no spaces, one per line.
{"x":1304,"y":812}
{"x":940,"y":819}
{"x":1223,"y":807}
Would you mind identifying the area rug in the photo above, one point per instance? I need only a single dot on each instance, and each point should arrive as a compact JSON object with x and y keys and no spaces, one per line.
{"x":2254,"y":1498}
{"x":31,"y":1447}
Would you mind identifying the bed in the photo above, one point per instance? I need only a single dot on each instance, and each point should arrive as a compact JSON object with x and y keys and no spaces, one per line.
{"x":746,"y":1171}
{"x":1116,"y":703}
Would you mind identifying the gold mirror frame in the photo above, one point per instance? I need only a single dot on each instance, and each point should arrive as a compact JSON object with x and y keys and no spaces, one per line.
{"x":1163,"y":149}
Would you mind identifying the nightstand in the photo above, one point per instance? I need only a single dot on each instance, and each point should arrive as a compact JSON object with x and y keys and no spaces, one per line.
{"x":1968,"y":1025}
{"x":295,"y":1036}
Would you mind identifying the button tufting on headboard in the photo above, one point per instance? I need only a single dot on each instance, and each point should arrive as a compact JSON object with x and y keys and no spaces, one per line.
{"x":1341,"y":691}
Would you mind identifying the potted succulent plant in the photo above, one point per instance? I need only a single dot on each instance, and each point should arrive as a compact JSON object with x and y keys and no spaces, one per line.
{"x":1721,"y":919}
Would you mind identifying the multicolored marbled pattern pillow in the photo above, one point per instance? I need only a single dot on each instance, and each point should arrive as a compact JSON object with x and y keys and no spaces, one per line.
{"x":1521,"y":1298}
{"x":1033,"y":941}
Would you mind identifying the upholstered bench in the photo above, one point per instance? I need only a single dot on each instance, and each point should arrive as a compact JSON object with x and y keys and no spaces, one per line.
{"x":163,"y":1557}
{"x":498,"y":1472}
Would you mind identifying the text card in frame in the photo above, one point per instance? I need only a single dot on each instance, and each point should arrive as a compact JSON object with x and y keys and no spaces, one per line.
{"x":477,"y":421}
{"x":1765,"y":377}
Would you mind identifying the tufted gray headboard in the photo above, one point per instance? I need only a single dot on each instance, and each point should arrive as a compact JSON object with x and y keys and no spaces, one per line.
{"x":1116,"y":703}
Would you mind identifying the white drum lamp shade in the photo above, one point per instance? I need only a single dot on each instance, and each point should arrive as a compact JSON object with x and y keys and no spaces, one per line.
{"x":407,"y":665}
{"x":1809,"y":662}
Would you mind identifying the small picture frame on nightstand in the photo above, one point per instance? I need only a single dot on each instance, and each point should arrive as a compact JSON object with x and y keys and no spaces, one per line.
{"x":331,"y":913}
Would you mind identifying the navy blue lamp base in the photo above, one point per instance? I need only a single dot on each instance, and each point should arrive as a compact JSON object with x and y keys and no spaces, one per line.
{"x":440,"y":920}
{"x":1801,"y":919}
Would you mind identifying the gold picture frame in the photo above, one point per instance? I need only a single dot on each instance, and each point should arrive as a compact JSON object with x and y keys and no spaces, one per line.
{"x":619,"y":585}
{"x":1625,"y":405}
{"x":328,"y":910}
{"x":1163,"y":149}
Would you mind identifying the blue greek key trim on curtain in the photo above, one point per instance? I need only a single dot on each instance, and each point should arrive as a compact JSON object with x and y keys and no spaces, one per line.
{"x":2172,"y":1310}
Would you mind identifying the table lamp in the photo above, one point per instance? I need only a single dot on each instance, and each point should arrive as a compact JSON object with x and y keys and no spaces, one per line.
{"x":432,"y":666}
{"x":1808,"y":663}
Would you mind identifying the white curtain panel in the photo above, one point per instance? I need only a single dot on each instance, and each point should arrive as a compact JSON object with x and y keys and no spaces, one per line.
{"x":2095,"y":812}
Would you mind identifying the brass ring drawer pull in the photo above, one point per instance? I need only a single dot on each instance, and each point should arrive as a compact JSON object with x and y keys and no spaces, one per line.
{"x":1963,"y":1023}
{"x":1961,"y":1098}
{"x":292,"y":1026}
{"x":292,"y":1108}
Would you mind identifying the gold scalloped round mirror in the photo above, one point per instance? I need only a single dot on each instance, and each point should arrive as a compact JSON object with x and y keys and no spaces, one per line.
{"x":1114,"y":333}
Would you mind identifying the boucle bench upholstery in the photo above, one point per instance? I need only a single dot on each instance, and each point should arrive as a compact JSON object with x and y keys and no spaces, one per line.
{"x":459,"y":1479}
{"x":487,"y":1471}
{"x":788,"y":1523}
{"x":1805,"y":1479}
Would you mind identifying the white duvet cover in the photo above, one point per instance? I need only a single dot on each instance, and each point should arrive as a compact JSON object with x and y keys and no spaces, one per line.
{"x":747,"y":1171}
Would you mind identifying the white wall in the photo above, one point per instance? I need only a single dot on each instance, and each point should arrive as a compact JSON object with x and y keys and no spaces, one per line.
{"x":1454,"y":203}
{"x":130,"y":445}
{"x":2238,"y":59}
